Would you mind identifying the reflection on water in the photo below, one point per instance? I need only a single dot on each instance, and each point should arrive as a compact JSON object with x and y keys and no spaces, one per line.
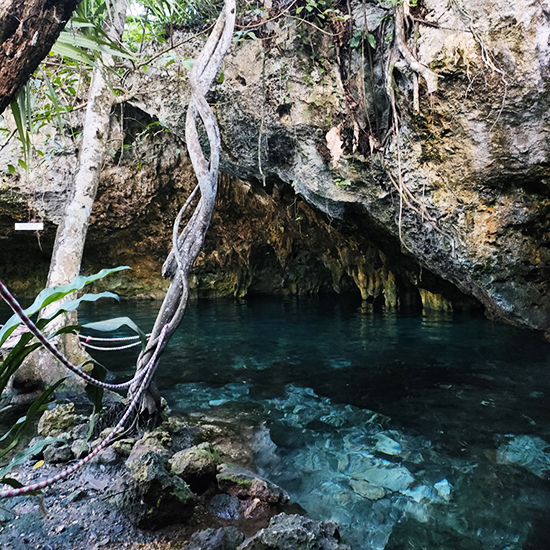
{"x":410,"y":431}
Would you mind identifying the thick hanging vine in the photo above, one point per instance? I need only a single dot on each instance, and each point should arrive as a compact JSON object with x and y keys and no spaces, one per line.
{"x":188,"y":243}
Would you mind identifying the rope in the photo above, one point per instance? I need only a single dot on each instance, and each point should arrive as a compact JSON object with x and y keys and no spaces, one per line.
{"x":95,"y":339}
{"x":14,"y":305}
{"x":149,"y":370}
{"x":119,"y":348}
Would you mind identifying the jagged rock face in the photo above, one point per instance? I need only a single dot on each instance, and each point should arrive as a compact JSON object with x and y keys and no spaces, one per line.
{"x":472,"y":166}
{"x":323,"y":192}
{"x":261,"y":239}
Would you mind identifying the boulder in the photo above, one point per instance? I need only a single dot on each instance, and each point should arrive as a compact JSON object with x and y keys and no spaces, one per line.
{"x":293,"y":532}
{"x":197,"y":465}
{"x":151,"y":496}
{"x":245,"y":484}
{"x":157,"y":441}
{"x":226,"y":538}
{"x":60,"y":419}
{"x":58,"y":454}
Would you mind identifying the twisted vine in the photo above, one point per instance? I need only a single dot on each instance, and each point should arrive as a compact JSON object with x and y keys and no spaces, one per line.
{"x":187,"y":244}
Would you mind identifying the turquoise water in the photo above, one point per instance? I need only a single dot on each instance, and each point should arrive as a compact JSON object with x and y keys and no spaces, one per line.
{"x":410,"y":431}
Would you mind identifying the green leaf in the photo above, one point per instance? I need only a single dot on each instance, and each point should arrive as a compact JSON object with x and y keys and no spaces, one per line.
{"x":111,"y":325}
{"x":95,"y":393}
{"x":15,"y":358}
{"x":188,"y":63}
{"x":20,"y":122}
{"x":372,"y":41}
{"x":55,"y":100}
{"x":37,"y":406}
{"x":22,"y":456}
{"x":73,"y":53}
{"x":93,"y":43}
{"x":22,"y":163}
{"x":50,"y":295}
{"x":11,"y":169}
{"x":72,"y":305}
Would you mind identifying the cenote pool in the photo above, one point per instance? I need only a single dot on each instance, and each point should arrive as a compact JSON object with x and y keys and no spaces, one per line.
{"x":410,"y":431}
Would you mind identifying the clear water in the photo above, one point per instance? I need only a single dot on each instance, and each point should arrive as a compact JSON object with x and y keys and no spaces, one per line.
{"x":410,"y":431}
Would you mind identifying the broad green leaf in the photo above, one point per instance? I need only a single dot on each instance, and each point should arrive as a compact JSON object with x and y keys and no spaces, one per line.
{"x":111,"y":325}
{"x":21,"y":123}
{"x":93,"y":43}
{"x":15,"y":358}
{"x":73,"y":53}
{"x":372,"y":41}
{"x":72,"y":305}
{"x":50,"y":295}
{"x":188,"y":63}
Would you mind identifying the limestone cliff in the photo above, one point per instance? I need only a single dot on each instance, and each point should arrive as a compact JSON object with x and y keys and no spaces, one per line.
{"x":327,"y":185}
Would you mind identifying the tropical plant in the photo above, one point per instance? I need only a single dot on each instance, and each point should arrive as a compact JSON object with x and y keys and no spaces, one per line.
{"x":26,"y":343}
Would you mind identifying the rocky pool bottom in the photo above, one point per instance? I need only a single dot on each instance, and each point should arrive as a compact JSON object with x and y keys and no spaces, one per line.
{"x":166,"y":490}
{"x":423,"y":432}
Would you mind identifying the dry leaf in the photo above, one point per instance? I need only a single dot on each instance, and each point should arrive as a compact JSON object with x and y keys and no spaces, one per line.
{"x":335,"y":144}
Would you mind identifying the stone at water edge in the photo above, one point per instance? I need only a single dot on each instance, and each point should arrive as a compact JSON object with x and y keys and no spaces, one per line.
{"x":196,"y":465}
{"x":293,"y":532}
{"x":226,"y":538}
{"x":243,"y":483}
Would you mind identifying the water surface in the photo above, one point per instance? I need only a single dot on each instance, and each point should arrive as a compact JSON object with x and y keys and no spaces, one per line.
{"x":410,"y":431}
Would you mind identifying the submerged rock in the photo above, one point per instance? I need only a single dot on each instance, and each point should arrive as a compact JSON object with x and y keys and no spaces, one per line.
{"x":379,"y":472}
{"x":367,"y":490}
{"x":444,"y":489}
{"x":530,"y":452}
{"x":387,"y":445}
{"x":292,"y":532}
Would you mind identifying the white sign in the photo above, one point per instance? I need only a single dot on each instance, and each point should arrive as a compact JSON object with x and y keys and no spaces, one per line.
{"x":29,"y":226}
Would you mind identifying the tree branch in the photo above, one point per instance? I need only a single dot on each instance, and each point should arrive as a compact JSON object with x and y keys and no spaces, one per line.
{"x":28,"y":30}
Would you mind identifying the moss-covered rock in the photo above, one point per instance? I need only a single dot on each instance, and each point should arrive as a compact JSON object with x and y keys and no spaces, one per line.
{"x":59,"y":420}
{"x":245,"y":484}
{"x":292,"y":532}
{"x":152,"y":497}
{"x":197,"y":465}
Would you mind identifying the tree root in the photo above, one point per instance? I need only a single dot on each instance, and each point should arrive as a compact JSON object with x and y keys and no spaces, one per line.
{"x":429,"y":76}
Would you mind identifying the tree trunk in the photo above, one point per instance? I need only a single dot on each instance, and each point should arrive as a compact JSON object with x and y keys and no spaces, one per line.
{"x":71,"y":233}
{"x":28,"y":30}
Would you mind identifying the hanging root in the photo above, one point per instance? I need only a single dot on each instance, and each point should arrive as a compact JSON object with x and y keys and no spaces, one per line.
{"x":429,"y":76}
{"x":406,"y":197}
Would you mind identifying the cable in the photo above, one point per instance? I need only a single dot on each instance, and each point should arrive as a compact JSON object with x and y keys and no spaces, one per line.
{"x":149,"y":369}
